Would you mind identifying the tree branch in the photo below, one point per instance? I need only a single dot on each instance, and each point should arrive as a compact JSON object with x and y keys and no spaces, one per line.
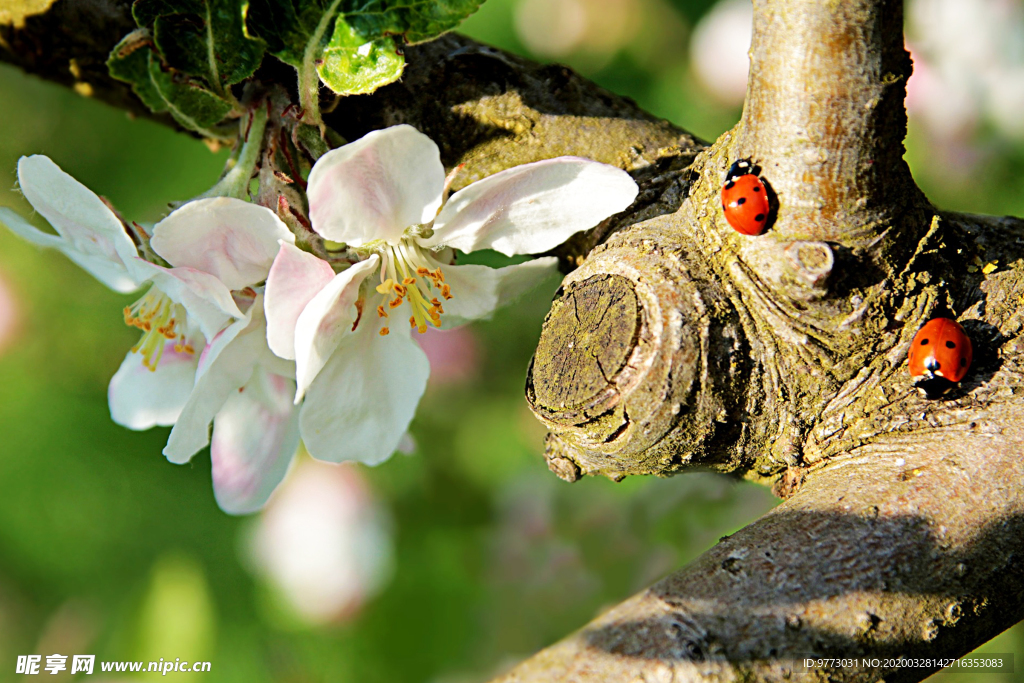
{"x":869,"y":560}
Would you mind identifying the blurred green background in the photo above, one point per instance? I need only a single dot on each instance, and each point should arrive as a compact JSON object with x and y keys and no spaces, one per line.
{"x":107,"y":549}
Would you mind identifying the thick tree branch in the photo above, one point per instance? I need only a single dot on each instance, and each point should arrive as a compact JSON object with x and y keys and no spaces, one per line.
{"x":868,"y":560}
{"x":679,"y":343}
{"x":824,"y":117}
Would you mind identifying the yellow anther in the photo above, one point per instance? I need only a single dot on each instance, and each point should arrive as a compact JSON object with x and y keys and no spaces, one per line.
{"x":381,"y":313}
{"x":422,"y":329}
{"x":412,"y":321}
{"x":385,"y":287}
{"x":423,"y":271}
{"x":400,"y":290}
{"x":384,"y":331}
{"x":395,"y":303}
{"x":409,"y":281}
{"x":446,"y":292}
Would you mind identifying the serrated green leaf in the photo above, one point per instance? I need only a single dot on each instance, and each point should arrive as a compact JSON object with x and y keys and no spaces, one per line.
{"x":129,"y":62}
{"x":202,"y":38}
{"x":308,"y":34}
{"x":352,"y":65}
{"x":415,"y":20}
{"x":191,"y":105}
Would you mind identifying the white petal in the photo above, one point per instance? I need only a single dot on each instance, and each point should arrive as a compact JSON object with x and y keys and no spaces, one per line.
{"x":232,"y":239}
{"x":534,"y":207}
{"x":376,"y":187}
{"x":255,"y":436}
{"x":226,"y":365}
{"x":294,"y":280}
{"x":141,"y":398}
{"x":112,"y":273}
{"x":478,"y":290}
{"x":87,"y":225}
{"x":207,"y":301}
{"x":363,"y":400}
{"x":28,"y":232}
{"x":326,"y":320}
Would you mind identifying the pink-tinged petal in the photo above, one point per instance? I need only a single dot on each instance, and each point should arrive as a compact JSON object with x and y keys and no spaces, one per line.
{"x":110,"y":272}
{"x":10,"y":315}
{"x":324,"y":542}
{"x":91,"y":232}
{"x":255,"y":435}
{"x":532,"y":208}
{"x":376,"y":187}
{"x":208,"y":302}
{"x":294,"y":280}
{"x":477,"y":291}
{"x":141,"y":398}
{"x":234,"y":240}
{"x":326,"y":320}
{"x":226,"y":365}
{"x":362,"y":402}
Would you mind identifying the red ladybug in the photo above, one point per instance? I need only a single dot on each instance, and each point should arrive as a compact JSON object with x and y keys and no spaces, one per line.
{"x":940,"y":356}
{"x":745,"y":199}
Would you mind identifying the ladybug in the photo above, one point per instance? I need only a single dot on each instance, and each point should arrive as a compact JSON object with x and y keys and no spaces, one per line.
{"x":940,"y":356}
{"x":745,"y":199}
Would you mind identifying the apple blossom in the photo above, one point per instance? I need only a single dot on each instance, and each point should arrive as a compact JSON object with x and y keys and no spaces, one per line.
{"x":217,"y":249}
{"x":324,"y":543}
{"x":357,"y":379}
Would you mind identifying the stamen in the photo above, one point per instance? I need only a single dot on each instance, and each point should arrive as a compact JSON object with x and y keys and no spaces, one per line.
{"x":411,"y":274}
{"x":384,"y":331}
{"x":161,"y":320}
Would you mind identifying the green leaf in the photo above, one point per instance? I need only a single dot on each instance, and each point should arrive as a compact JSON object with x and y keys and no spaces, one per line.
{"x":352,"y":65}
{"x":129,"y":62}
{"x":134,"y":60}
{"x":327,"y":34}
{"x":202,"y":38}
{"x":191,"y":104}
{"x":415,"y":20}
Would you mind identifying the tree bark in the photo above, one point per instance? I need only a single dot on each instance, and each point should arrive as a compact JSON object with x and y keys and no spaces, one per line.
{"x":677,"y":343}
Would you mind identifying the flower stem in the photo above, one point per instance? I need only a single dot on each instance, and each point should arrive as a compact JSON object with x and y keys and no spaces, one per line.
{"x":235,"y":183}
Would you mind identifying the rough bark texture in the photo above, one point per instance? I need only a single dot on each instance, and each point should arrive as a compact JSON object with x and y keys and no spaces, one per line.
{"x":678,"y":343}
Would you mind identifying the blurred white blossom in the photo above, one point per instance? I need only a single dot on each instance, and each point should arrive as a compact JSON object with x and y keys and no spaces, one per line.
{"x":719,"y":47}
{"x":968,"y":65}
{"x":323,"y":542}
{"x":594,"y":29}
{"x":9,"y":314}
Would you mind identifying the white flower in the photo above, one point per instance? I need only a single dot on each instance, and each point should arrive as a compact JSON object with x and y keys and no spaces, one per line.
{"x":217,"y":249}
{"x":359,"y":378}
{"x":324,"y":542}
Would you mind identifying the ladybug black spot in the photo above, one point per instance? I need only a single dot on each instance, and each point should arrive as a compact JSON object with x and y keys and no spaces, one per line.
{"x":729,"y":185}
{"x":963,"y":362}
{"x":759,"y":217}
{"x":757,"y":189}
{"x":924,"y":342}
{"x":950,"y":345}
{"x":741,"y":201}
{"x":723,"y":207}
